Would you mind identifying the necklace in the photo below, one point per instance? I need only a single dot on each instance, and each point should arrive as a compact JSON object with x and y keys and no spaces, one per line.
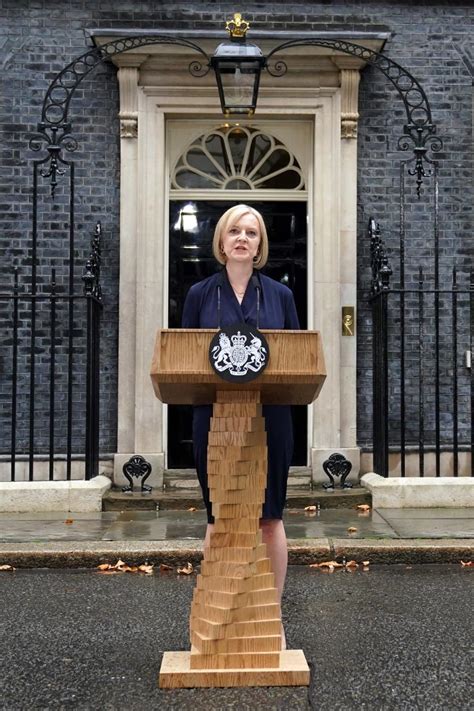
{"x":236,"y":292}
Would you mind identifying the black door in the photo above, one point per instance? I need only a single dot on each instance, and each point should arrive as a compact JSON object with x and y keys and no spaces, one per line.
{"x":192,"y":227}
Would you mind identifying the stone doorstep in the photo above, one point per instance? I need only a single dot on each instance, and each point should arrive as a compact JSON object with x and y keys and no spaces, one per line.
{"x":116,"y":500}
{"x":299,"y":478}
{"x":419,"y":492}
{"x":44,"y":496}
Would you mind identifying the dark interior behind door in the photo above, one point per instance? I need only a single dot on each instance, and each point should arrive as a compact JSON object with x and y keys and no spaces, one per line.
{"x":192,"y":227}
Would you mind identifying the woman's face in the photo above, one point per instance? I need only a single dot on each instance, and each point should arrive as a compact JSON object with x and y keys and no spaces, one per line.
{"x":241,"y":240}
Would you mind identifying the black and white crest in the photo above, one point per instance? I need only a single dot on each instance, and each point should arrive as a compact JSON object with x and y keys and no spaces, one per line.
{"x":238,"y":353}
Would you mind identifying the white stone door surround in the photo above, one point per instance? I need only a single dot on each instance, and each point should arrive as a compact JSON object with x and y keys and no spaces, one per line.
{"x":321,"y":88}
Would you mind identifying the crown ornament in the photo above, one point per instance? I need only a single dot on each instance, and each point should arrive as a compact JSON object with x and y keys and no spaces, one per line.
{"x":239,"y":339}
{"x":237,"y":27}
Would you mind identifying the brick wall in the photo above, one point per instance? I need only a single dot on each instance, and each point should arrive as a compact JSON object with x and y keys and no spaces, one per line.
{"x":38,"y":38}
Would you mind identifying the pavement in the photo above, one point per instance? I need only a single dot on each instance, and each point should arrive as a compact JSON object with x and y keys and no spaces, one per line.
{"x":391,"y":638}
{"x":73,"y":540}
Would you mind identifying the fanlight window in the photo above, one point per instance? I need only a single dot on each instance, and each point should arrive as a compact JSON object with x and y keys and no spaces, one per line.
{"x":237,"y":158}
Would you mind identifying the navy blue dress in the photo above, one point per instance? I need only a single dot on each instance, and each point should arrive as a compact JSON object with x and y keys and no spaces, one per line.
{"x":277,"y":310}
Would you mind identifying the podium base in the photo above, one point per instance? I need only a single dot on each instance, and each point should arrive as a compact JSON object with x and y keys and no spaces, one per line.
{"x":175,"y":673}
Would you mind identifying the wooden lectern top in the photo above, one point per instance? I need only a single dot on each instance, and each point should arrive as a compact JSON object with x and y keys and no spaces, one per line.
{"x":181,"y":372}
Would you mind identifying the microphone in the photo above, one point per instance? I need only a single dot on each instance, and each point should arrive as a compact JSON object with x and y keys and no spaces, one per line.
{"x":256,"y":285}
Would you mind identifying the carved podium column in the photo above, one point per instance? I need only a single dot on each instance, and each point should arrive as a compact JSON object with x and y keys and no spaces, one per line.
{"x":235,"y":623}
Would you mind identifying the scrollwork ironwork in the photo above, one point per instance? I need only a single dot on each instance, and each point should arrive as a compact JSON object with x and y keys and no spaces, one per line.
{"x":419,"y":130}
{"x":337,"y":465}
{"x":54,"y":130}
{"x":278,"y":69}
{"x":91,"y":274}
{"x":136,"y":466}
{"x":381,"y":270}
{"x":420,"y":140}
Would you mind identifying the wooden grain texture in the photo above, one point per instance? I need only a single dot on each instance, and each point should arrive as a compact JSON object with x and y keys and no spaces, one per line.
{"x":236,"y":645}
{"x":244,"y":660}
{"x":251,"y":628}
{"x":227,"y":616}
{"x":181,"y":372}
{"x":234,"y":496}
{"x":236,"y":585}
{"x":243,"y":409}
{"x":237,"y":424}
{"x":176,"y":673}
{"x":235,"y":540}
{"x":233,"y":600}
{"x":242,"y":439}
{"x":235,"y":621}
{"x":250,"y":453}
{"x":235,"y":570}
{"x":236,"y":468}
{"x":237,"y":483}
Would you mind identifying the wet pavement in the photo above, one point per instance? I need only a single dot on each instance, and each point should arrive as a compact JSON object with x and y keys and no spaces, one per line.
{"x":393,"y":637}
{"x":190,"y":525}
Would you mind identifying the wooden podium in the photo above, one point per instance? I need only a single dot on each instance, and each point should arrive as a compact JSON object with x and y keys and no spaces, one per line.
{"x":235,"y":624}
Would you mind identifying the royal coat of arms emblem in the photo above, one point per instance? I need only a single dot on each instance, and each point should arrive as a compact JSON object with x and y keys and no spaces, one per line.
{"x":239,"y":353}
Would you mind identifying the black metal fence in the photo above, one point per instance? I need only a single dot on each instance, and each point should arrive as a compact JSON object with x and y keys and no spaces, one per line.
{"x":423,"y":380}
{"x":50,"y":336}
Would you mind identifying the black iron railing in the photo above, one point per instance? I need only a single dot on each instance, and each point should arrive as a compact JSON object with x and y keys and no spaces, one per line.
{"x":423,"y":381}
{"x":50,"y":380}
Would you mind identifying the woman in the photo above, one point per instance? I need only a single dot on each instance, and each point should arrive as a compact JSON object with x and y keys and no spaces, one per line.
{"x":241,"y":245}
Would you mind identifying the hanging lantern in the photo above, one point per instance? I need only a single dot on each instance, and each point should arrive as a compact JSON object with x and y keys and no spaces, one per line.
{"x":237,"y":65}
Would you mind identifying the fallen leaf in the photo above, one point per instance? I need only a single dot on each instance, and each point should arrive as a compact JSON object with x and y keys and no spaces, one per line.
{"x":121,"y":566}
{"x":68,"y":521}
{"x":192,"y":508}
{"x":327,"y":565}
{"x":467,"y":563}
{"x":164,"y":566}
{"x":351,"y":529}
{"x":363,"y":507}
{"x":187,"y":570}
{"x":147,"y":569}
{"x":110,"y":570}
{"x":7,"y":567}
{"x":352,"y":564}
{"x":310,"y":508}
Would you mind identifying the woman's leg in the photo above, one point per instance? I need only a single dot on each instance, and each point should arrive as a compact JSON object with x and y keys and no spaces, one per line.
{"x":207,"y":539}
{"x":273,"y":534}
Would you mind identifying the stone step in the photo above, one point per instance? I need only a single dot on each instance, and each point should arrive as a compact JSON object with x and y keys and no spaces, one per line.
{"x":185,"y":498}
{"x":176,"y":479}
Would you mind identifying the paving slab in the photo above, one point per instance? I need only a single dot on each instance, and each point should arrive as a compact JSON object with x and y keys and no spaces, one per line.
{"x":430,"y":523}
{"x":182,"y":525}
{"x":43,"y":540}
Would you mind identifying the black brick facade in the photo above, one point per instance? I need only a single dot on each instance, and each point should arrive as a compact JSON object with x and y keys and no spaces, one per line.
{"x":432,"y":40}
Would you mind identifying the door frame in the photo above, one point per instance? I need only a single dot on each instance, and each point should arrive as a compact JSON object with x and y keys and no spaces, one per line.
{"x":144,"y":210}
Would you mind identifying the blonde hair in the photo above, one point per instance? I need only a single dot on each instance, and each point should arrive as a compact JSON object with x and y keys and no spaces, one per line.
{"x":232,"y":216}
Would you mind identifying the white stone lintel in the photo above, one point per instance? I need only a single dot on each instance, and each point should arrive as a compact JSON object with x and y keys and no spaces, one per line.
{"x":421,"y":492}
{"x":45,"y":496}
